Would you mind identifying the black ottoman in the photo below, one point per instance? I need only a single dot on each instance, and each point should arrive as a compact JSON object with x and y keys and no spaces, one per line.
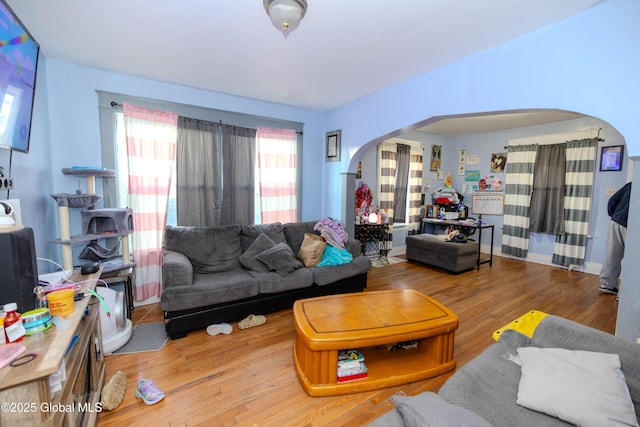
{"x":455,"y":257}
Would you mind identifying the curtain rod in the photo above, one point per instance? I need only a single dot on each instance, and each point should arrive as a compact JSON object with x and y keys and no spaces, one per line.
{"x":114,"y":104}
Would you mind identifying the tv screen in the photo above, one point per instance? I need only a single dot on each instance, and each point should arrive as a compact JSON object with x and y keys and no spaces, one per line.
{"x":18,"y":65}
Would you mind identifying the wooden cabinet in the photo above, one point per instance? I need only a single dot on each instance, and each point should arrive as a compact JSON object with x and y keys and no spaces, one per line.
{"x":25,"y":390}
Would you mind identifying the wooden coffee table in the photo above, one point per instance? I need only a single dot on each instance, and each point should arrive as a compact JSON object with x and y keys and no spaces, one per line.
{"x":367,"y":321}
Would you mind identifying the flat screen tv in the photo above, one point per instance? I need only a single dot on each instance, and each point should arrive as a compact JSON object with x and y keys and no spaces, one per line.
{"x":18,"y":66}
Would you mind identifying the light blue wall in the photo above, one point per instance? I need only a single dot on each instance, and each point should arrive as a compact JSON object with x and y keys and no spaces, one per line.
{"x":66,"y":132}
{"x":586,"y":63}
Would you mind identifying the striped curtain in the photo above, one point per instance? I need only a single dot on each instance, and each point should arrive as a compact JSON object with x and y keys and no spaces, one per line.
{"x":276,"y":173}
{"x":415,"y":190}
{"x":570,"y":247}
{"x":517,"y":199}
{"x":386,"y":178}
{"x":151,"y":139}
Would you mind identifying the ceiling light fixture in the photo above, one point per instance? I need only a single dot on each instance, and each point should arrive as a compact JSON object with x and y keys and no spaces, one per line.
{"x":285,"y":14}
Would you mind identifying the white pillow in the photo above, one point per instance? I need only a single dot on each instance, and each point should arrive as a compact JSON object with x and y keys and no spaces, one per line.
{"x":581,"y":387}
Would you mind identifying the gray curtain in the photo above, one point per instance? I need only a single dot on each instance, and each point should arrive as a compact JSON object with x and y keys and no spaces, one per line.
{"x":239,"y":157}
{"x":547,"y":199}
{"x":402,"y":181}
{"x":198,"y":173}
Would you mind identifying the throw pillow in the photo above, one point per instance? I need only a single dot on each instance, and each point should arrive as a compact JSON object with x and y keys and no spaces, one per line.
{"x":580,"y":387}
{"x":248,"y":258}
{"x":430,"y":410}
{"x":311,"y":250}
{"x":280,"y":259}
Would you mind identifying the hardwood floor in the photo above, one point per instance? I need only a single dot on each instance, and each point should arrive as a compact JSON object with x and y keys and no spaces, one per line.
{"x":247,"y":378}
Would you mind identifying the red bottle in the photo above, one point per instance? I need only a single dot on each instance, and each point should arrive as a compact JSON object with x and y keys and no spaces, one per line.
{"x":13,"y":328}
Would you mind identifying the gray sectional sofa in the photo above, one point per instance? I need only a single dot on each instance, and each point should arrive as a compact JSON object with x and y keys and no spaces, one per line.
{"x":494,"y":390}
{"x":220,"y":274}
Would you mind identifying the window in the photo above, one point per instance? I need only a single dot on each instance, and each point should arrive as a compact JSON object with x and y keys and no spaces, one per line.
{"x":277,"y":198}
{"x":276,"y":177}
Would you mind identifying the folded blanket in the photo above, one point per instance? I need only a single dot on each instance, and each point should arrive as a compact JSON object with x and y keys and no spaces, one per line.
{"x":332,"y":231}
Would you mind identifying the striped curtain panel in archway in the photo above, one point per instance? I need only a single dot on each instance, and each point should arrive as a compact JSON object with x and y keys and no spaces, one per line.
{"x":386,"y":176}
{"x":517,"y":199}
{"x":570,"y":247}
{"x":415,"y":190}
{"x":151,"y":138}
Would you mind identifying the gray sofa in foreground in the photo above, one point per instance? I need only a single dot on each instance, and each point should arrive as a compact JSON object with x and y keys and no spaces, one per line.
{"x":486,"y":390}
{"x":220,"y":274}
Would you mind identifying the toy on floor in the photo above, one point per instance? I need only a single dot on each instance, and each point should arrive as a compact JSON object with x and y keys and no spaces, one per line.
{"x":525,"y":324}
{"x":113,"y":391}
{"x":149,"y":392}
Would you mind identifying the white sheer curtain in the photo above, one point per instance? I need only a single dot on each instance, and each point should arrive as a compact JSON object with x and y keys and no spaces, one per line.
{"x":276,"y":176}
{"x":151,"y":138}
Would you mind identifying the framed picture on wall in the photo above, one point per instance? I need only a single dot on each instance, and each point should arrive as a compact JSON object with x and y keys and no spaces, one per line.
{"x":498,"y":162}
{"x":333,"y":146}
{"x":611,"y":158}
{"x":436,"y":157}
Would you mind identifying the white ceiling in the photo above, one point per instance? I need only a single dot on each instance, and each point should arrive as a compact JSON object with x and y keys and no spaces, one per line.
{"x":343,"y":49}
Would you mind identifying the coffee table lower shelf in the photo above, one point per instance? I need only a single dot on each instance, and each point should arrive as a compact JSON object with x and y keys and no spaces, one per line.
{"x":317,"y":370}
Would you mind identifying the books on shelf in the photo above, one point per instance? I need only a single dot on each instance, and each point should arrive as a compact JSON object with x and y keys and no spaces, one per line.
{"x":351,"y":365}
{"x":405,"y":345}
{"x":349,"y":355}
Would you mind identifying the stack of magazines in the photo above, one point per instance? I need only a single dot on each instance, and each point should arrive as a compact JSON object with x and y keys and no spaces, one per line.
{"x":351,"y":365}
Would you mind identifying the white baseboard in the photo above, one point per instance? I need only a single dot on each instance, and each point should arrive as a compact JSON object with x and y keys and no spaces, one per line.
{"x":150,"y":300}
{"x":398,"y":250}
{"x":588,"y":267}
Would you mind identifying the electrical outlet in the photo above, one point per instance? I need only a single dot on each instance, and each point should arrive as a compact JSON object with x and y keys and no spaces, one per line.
{"x":610,"y":192}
